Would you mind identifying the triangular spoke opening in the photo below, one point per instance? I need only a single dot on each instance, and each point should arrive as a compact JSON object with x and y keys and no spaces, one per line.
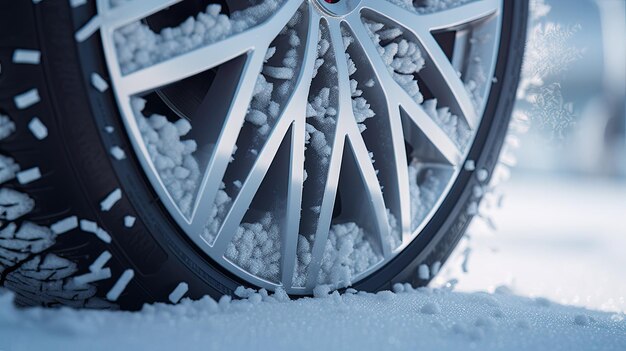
{"x":353,"y":245}
{"x":256,"y":245}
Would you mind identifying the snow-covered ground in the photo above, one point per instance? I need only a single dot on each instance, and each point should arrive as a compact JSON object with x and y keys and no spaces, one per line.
{"x":559,"y":240}
{"x":563,"y":238}
{"x":416,"y":320}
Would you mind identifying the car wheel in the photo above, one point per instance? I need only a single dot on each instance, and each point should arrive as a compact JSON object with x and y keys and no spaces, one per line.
{"x":154,"y":150}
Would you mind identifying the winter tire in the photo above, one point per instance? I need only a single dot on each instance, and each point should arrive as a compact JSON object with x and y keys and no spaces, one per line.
{"x":155,"y":150}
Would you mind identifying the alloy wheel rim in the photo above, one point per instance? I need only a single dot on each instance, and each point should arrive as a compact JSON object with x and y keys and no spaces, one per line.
{"x":376,"y":192}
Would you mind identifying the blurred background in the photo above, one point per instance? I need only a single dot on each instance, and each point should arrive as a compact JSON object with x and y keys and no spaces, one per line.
{"x":560,"y":231}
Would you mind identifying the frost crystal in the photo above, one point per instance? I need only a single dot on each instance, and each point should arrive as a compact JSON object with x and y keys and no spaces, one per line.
{"x":548,"y":54}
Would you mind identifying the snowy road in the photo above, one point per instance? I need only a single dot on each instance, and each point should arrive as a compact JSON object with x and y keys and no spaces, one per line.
{"x":562,"y":238}
{"x":422,"y":320}
{"x":566,"y":253}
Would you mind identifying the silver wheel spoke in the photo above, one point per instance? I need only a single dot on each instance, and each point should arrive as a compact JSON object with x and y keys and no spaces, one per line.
{"x":326,"y":211}
{"x":398,"y":97}
{"x":296,"y":173}
{"x":250,"y":186}
{"x":193,"y":62}
{"x":360,"y":151}
{"x":226,"y":142}
{"x":257,"y":38}
{"x":433,"y":132}
{"x":445,"y":81}
{"x":447,"y":85}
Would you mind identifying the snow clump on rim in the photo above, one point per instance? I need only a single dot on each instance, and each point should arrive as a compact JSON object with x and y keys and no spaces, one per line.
{"x":256,"y":248}
{"x":347,"y":253}
{"x":402,"y":57}
{"x":137,"y":46}
{"x":423,"y":196}
{"x":171,"y":156}
{"x":429,"y":6}
{"x":276,"y":80}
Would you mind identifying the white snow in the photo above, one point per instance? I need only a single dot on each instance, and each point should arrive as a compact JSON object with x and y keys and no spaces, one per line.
{"x":98,"y":82}
{"x":404,"y":60}
{"x":218,"y":212}
{"x":256,"y":247}
{"x":178,"y":293}
{"x":120,"y":285}
{"x":129,"y":221}
{"x":422,"y":319}
{"x":429,"y":6}
{"x":93,"y":276}
{"x":64,"y":225}
{"x":117,"y":152}
{"x":110,"y":200}
{"x":138,"y":46}
{"x":8,"y":168}
{"x":14,"y":204}
{"x":93,"y":228}
{"x":32,"y":57}
{"x":402,"y":57}
{"x":99,"y":263}
{"x":558,"y":237}
{"x":7,"y":127}
{"x":423,"y":272}
{"x":88,"y":29}
{"x":39,"y":130}
{"x":482,"y":175}
{"x":88,"y":226}
{"x":423,"y":196}
{"x":452,"y":125}
{"x":348,"y":253}
{"x":28,"y":175}
{"x":26,"y":99}
{"x":171,"y":155}
{"x":276,"y":80}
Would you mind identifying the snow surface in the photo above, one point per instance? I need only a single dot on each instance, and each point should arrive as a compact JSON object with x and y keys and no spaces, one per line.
{"x":567,"y":247}
{"x":408,"y":319}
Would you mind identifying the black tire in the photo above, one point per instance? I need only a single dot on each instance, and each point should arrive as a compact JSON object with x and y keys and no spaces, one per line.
{"x":78,"y":172}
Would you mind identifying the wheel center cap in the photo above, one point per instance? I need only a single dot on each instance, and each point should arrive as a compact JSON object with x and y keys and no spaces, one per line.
{"x":337,"y":7}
